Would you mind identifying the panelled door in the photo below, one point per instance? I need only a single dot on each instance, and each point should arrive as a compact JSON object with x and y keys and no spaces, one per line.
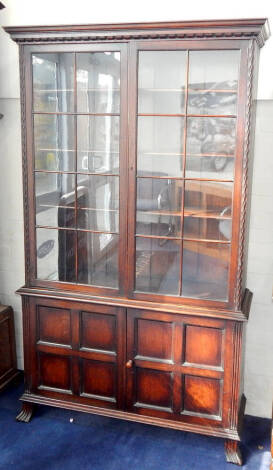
{"x":78,"y":352}
{"x":178,"y":367}
{"x":173,"y":366}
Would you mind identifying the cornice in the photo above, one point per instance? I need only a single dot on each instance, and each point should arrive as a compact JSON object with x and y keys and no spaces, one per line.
{"x":257,"y":29}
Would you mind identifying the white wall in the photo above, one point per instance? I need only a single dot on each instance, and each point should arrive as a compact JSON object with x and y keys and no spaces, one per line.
{"x":259,"y":354}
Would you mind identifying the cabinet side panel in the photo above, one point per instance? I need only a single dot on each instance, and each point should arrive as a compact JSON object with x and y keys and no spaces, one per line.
{"x":247,"y":169}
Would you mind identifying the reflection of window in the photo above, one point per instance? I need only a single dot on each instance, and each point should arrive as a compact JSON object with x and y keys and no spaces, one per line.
{"x":45,"y":82}
{"x":105,"y":239}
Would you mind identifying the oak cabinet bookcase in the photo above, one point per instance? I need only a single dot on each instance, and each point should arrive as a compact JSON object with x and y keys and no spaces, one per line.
{"x":136,"y":149}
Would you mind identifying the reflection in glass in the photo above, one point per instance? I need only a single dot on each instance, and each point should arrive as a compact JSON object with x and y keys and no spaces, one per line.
{"x":98,"y":202}
{"x":211,"y":136}
{"x":53,"y":78}
{"x":208,"y":199}
{"x":160,"y":145}
{"x":152,"y":223}
{"x":213,"y":82}
{"x":56,"y":254}
{"x":98,"y":82}
{"x":205,"y":270}
{"x":161,"y":82}
{"x":98,"y":259}
{"x":157,"y":265}
{"x":98,"y":144}
{"x":207,"y":228}
{"x":54,"y":142}
{"x":55,"y":199}
{"x":158,"y":206}
{"x":210,"y":167}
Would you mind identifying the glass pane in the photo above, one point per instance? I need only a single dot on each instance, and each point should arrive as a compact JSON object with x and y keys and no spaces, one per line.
{"x":56,"y":254}
{"x":157,"y":265}
{"x":161,"y":82}
{"x":98,"y":202}
{"x":210,"y":167}
{"x":213,"y":82}
{"x":98,"y":82}
{"x":205,"y":270}
{"x":54,"y":142}
{"x":159,"y":206}
{"x":98,"y":144}
{"x":207,"y":228}
{"x":160,"y":146}
{"x":55,"y":199}
{"x":53,"y":82}
{"x":211,"y":136}
{"x":98,"y":259}
{"x":208,"y":199}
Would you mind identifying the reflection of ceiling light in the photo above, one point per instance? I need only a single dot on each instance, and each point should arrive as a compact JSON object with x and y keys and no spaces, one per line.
{"x":108,"y":53}
{"x":37,"y":60}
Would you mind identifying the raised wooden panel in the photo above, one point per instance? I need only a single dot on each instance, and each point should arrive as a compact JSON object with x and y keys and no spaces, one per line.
{"x":203,"y":345}
{"x":6,"y":359}
{"x":54,"y":372}
{"x":99,"y":380}
{"x":54,"y":325}
{"x":154,"y":339}
{"x":202,"y":395}
{"x":153,"y":388}
{"x":98,"y":331}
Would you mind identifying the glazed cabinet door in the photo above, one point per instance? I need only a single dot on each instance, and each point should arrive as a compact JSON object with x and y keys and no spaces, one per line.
{"x":186,"y":149}
{"x":77,"y":166}
{"x":77,"y":352}
{"x":178,"y":367}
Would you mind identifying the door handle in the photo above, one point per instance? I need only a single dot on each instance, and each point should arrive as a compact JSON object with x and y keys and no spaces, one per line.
{"x":129,"y":364}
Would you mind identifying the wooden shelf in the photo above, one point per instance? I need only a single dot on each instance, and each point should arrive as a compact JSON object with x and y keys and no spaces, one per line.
{"x":75,"y":229}
{"x":57,"y":90}
{"x":211,"y":90}
{"x":79,"y":150}
{"x":161,"y":212}
{"x":175,"y":154}
{"x":164,"y":90}
{"x":204,"y":215}
{"x":187,"y":213}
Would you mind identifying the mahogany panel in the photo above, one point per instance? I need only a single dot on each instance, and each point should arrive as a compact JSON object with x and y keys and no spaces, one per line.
{"x":153,"y":388}
{"x":8,"y":362}
{"x":54,"y":371}
{"x":154,"y":338}
{"x":6,"y":359}
{"x":53,"y":325}
{"x":98,"y":331}
{"x":202,"y":395}
{"x":203,"y":345}
{"x":98,"y":379}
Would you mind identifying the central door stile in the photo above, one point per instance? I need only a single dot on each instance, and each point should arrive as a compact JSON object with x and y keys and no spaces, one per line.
{"x":177,"y":376}
{"x":123,"y":171}
{"x":75,"y":341}
{"x":132,"y":148}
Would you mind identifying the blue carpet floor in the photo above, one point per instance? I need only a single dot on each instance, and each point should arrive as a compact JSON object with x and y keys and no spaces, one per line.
{"x":51,"y":442}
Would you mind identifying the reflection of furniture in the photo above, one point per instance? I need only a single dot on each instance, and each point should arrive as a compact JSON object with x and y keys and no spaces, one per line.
{"x":8,"y":362}
{"x":155,"y":335}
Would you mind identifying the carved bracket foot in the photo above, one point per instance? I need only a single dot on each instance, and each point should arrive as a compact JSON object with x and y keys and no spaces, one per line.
{"x":25,"y":414}
{"x":233,"y":453}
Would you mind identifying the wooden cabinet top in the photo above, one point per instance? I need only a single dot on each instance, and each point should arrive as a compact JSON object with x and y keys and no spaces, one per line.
{"x":254,"y":28}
